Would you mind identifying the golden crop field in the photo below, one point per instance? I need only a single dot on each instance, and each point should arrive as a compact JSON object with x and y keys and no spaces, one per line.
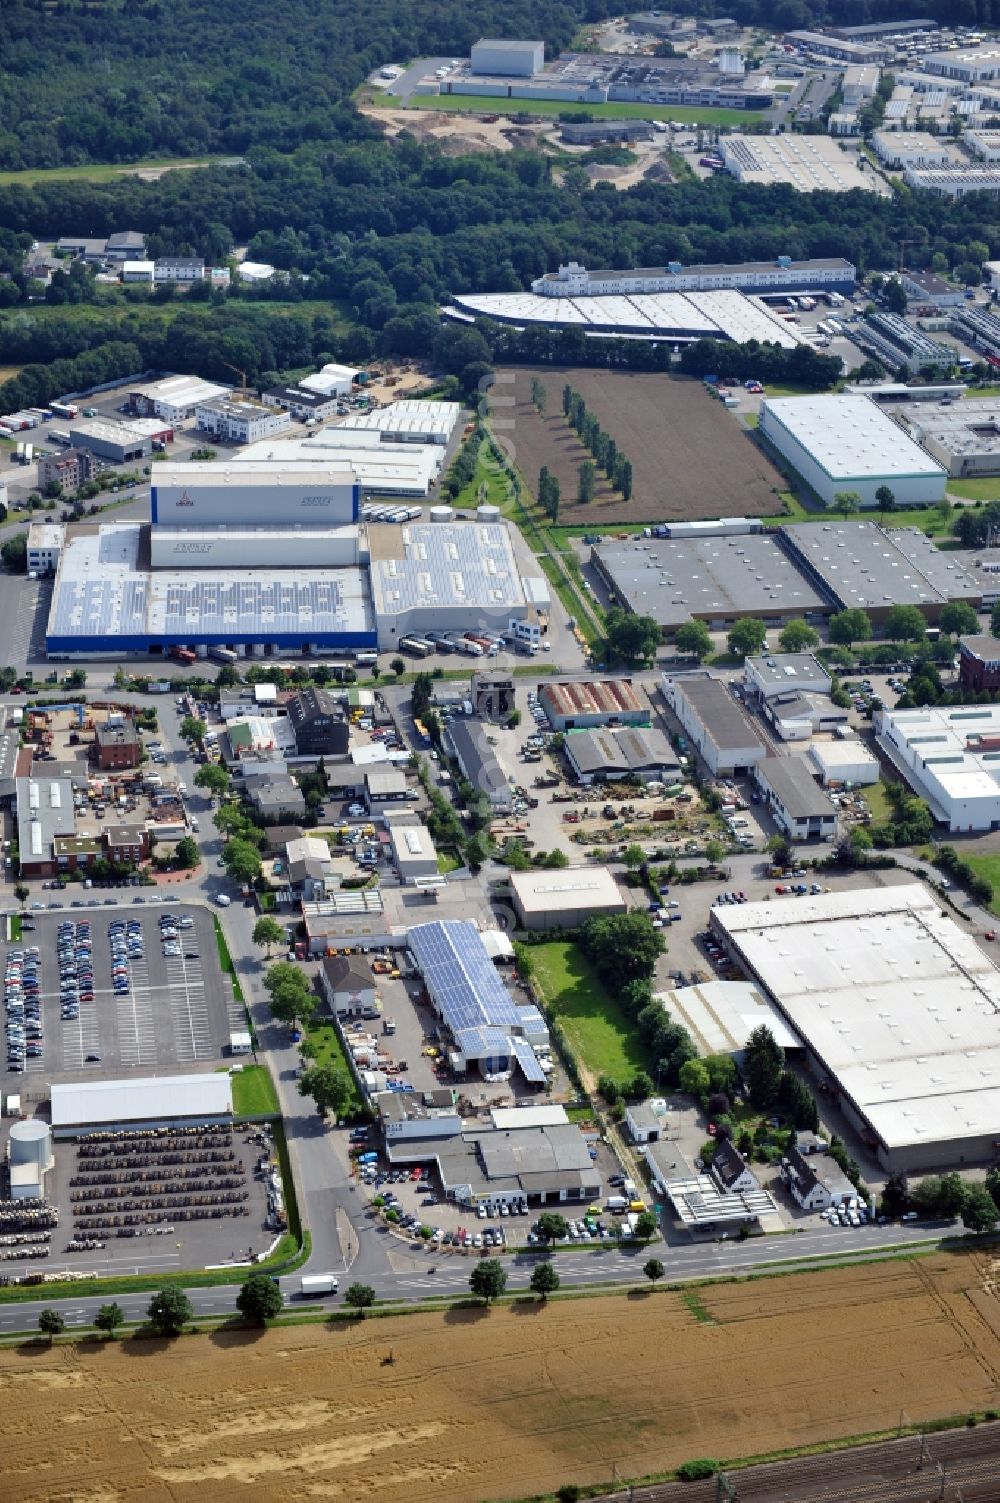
{"x":472,"y":1405}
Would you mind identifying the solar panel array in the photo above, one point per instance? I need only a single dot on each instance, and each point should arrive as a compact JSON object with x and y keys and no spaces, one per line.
{"x":461,"y":977}
{"x":484,"y":1043}
{"x":528,"y":1062}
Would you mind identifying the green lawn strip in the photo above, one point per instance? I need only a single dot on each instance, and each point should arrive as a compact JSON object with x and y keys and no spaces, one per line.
{"x":254,"y":1094}
{"x":226,"y":960}
{"x":15,"y":927}
{"x":988,"y":867}
{"x":878,"y":802}
{"x":480,"y":105}
{"x":322,"y":1036}
{"x":597,"y":1028}
{"x":986,"y":488}
{"x":446,"y":863}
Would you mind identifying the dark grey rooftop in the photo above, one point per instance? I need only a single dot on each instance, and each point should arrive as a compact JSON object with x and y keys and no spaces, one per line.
{"x":863,"y":564}
{"x":795,"y":788}
{"x":729,"y":727}
{"x":675,"y":579}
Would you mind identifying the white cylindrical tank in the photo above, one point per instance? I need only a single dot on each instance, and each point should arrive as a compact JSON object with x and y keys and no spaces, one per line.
{"x":442,"y":513}
{"x":487,"y":513}
{"x":31,"y":1143}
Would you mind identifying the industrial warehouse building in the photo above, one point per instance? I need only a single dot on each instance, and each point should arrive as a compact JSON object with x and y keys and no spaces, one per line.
{"x":720,"y":314}
{"x":951,"y":757}
{"x":578,"y":706}
{"x":444,"y":577}
{"x":844,"y":763}
{"x":564,"y":899}
{"x":720,"y":730}
{"x":487,"y":1027}
{"x":140,"y":1101}
{"x":202,"y":494}
{"x":717,"y":580}
{"x":964,"y":436}
{"x":798,"y":806}
{"x":606,"y":754}
{"x":116,"y":443}
{"x":898,"y":1007}
{"x":107,"y":600}
{"x":862,"y":564}
{"x":781,"y":275}
{"x":845,"y":442}
{"x":805,"y":163}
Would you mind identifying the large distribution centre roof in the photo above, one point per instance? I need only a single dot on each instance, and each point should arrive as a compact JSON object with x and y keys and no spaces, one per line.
{"x":863,"y":564}
{"x":434,"y":566}
{"x":152,"y":1098}
{"x":724,"y":314}
{"x":850,"y":437}
{"x":675,"y":579}
{"x":901,"y":1005}
{"x":103,"y":591}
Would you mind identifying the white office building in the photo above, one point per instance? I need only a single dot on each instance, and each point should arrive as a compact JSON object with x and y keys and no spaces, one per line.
{"x":951,"y":757}
{"x":45,"y":545}
{"x":241,"y":422}
{"x":899,"y":149}
{"x":845,"y":442}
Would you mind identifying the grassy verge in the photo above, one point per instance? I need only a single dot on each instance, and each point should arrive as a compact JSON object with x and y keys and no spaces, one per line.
{"x":446,"y":863}
{"x":597,"y":1029}
{"x":477,"y":105}
{"x":985,"y":489}
{"x":15,"y":927}
{"x":323,"y":1040}
{"x":254,"y":1094}
{"x":878,"y":802}
{"x":226,"y":960}
{"x":988,"y":867}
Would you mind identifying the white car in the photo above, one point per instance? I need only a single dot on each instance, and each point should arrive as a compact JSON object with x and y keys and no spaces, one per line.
{"x":223,"y":900}
{"x":356,"y":811}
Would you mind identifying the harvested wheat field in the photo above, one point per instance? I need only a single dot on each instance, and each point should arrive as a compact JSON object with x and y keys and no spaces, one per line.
{"x":477,"y":1405}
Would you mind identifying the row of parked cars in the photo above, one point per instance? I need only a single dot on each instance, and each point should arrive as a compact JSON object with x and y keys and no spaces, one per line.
{"x":22,"y":1004}
{"x":852,"y":1213}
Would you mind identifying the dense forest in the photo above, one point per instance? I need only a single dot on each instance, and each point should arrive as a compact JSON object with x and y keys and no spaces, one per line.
{"x":119,"y":80}
{"x":384,"y":233}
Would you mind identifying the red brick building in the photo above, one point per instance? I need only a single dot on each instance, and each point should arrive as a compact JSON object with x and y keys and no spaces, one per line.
{"x":979,"y":663}
{"x":116,"y":746}
{"x":127,"y":845}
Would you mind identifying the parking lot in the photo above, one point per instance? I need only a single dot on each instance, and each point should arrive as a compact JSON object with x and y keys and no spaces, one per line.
{"x":120,"y":1002}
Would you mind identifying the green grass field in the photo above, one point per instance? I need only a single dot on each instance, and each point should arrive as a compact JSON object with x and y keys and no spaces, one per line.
{"x":323,"y":1040}
{"x":254,"y":1093}
{"x":988,"y":867}
{"x":987,"y":488}
{"x":597,"y":1029}
{"x":475,"y":105}
{"x":102,"y":172}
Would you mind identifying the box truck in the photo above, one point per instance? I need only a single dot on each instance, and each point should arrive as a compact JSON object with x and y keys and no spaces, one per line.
{"x":315,"y":1284}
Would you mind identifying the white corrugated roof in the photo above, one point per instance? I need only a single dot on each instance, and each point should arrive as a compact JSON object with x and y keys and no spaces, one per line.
{"x":90,"y":1103}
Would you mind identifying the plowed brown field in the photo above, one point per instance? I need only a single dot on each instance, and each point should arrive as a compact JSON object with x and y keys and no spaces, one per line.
{"x":500,"y":1404}
{"x":690,"y":457}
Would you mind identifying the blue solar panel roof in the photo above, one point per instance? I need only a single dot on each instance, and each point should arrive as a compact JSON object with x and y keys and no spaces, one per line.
{"x":461,"y":977}
{"x":528,"y":1061}
{"x":483,"y":1043}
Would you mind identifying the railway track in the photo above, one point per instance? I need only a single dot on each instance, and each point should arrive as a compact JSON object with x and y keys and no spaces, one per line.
{"x":952,"y":1466}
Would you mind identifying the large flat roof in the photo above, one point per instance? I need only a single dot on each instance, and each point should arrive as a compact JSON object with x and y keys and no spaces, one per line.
{"x":898,"y":1002}
{"x":675,"y":579}
{"x":104,"y":590}
{"x":93,"y":1103}
{"x":720,"y":314}
{"x":434,"y":566}
{"x":957,"y":747}
{"x":850,"y":437}
{"x":556,"y":891}
{"x":863,"y":564}
{"x":802,"y":162}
